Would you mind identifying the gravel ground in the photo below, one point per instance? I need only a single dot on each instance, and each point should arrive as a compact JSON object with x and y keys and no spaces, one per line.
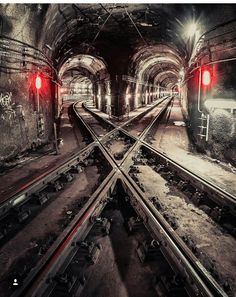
{"x":117,"y":147}
{"x":173,"y":141}
{"x":136,"y":127}
{"x":216,"y":248}
{"x":119,"y":272}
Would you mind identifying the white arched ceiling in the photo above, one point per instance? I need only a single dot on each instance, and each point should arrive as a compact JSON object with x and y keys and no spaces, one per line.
{"x":145,"y":65}
{"x":161,"y":49}
{"x":160,"y":75}
{"x":92,"y":64}
{"x":78,"y":78}
{"x":152,"y":63}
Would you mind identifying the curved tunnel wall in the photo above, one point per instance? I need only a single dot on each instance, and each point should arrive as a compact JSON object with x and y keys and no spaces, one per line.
{"x":155,"y":70}
{"x":21,"y":126}
{"x":90,"y":70}
{"x":211,"y":108}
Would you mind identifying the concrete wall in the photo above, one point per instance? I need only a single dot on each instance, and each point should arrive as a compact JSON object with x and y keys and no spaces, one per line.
{"x":19,"y":120}
{"x":216,"y":103}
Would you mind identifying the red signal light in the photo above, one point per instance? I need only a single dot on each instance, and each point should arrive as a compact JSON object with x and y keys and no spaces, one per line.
{"x":38,"y":82}
{"x":206,"y":78}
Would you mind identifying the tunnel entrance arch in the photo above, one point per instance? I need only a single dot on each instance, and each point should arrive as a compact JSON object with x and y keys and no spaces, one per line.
{"x":156,"y":70}
{"x":85,"y":75}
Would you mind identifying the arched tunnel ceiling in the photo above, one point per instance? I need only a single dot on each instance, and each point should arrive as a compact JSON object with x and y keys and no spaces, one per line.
{"x":168,"y":81}
{"x":156,"y":73}
{"x":144,"y":73}
{"x":72,"y":72}
{"x":68,"y":26}
{"x":150,"y":35}
{"x":82,"y":69}
{"x":90,"y":63}
{"x":151,"y":63}
{"x":161,"y":76}
{"x":75,"y":28}
{"x":79,"y":79}
{"x":74,"y":75}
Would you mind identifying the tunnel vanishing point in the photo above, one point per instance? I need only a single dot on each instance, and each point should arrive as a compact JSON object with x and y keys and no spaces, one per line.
{"x":124,"y":56}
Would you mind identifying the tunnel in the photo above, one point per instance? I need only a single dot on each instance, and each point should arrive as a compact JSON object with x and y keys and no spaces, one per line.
{"x":118,"y":149}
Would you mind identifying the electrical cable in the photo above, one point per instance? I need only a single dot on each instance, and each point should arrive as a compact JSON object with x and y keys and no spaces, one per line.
{"x":22,"y":70}
{"x":30,"y":47}
{"x":139,"y":33}
{"x":22,"y":53}
{"x":102,"y":26}
{"x":25,"y":45}
{"x":18,"y":59}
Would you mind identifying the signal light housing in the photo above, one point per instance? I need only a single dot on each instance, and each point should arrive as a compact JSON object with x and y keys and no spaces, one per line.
{"x":206,"y":78}
{"x":38,"y":82}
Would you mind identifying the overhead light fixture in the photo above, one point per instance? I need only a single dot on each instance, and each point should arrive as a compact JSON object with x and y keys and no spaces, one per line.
{"x":191,"y":29}
{"x":48,"y":47}
{"x":181,"y":72}
{"x":144,"y":24}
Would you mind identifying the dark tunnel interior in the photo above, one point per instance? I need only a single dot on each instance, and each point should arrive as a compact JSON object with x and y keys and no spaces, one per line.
{"x":117,"y":119}
{"x":120,"y":54}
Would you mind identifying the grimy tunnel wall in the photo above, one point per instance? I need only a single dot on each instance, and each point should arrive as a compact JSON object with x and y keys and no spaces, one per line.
{"x":213,"y":113}
{"x":22,"y":126}
{"x":210,"y":92}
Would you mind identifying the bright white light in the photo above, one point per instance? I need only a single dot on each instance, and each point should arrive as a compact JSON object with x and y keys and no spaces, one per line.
{"x":144,"y":24}
{"x":181,"y":73}
{"x":127,"y":98}
{"x":108,"y":99}
{"x":99,"y":97}
{"x":77,"y":85}
{"x":190,"y":29}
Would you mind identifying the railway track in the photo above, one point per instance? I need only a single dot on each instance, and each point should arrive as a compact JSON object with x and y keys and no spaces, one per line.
{"x":19,"y":208}
{"x":195,"y":186}
{"x":14,"y":202}
{"x":194,"y":279}
{"x":222,"y":203}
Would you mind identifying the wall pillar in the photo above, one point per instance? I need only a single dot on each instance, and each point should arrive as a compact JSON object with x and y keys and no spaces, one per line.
{"x":118,"y":94}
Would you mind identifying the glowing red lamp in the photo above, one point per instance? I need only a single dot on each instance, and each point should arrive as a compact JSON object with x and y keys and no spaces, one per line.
{"x":206,"y":78}
{"x":38,"y":82}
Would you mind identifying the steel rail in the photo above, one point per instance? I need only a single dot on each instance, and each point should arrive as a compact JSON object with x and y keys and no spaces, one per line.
{"x":200,"y":282}
{"x":22,"y":195}
{"x":218,"y":195}
{"x":198,"y":279}
{"x":173,"y":246}
{"x":38,"y":279}
{"x":120,"y":128}
{"x":129,"y":120}
{"x":193,"y":270}
{"x":146,"y":130}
